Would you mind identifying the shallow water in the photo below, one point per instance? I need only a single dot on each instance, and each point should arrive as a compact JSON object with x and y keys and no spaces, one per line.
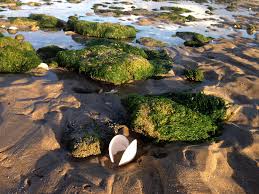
{"x":161,"y":31}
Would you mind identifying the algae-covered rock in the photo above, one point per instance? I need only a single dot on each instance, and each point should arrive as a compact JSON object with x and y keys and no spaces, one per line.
{"x":89,"y":145}
{"x":194,"y":39}
{"x":48,"y":53}
{"x":16,"y":56}
{"x":172,"y":17}
{"x":8,"y":41}
{"x":151,"y":42}
{"x":101,"y":30}
{"x":195,"y":75}
{"x":19,"y":37}
{"x":23,"y":22}
{"x":81,"y":143}
{"x":251,"y":29}
{"x":161,"y":61}
{"x":46,"y":21}
{"x":209,"y":105}
{"x":112,"y":61}
{"x":107,"y":64}
{"x":163,"y":118}
{"x":177,"y":10}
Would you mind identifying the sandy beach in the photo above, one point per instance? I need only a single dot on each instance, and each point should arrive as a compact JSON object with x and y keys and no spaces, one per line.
{"x":36,"y":107}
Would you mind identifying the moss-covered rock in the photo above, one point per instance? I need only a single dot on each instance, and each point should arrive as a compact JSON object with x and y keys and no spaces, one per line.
{"x":177,"y":10}
{"x":19,"y":37}
{"x":209,"y":105}
{"x":101,"y":30}
{"x":22,"y":22}
{"x":107,"y":64}
{"x":34,"y":4}
{"x":161,"y":61}
{"x":46,"y":21}
{"x":82,"y":143}
{"x":172,"y":17}
{"x":195,"y":75}
{"x":8,"y":41}
{"x":49,"y":53}
{"x":16,"y":56}
{"x":251,"y":29}
{"x":114,"y":62}
{"x":194,"y":39}
{"x":166,"y":119}
{"x":88,"y":146}
{"x":151,"y":42}
{"x":191,"y":18}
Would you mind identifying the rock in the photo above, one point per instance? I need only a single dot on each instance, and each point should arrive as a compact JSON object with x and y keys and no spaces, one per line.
{"x":251,"y":29}
{"x":115,"y":62}
{"x":81,"y":142}
{"x":46,"y":21}
{"x":100,"y":30}
{"x":69,"y":33}
{"x":49,"y":53}
{"x":17,"y":56}
{"x":195,"y":75}
{"x":150,"y":42}
{"x":194,"y":39}
{"x":43,"y":66}
{"x":35,"y":28}
{"x":165,"y":117}
{"x":12,"y":30}
{"x":19,"y":37}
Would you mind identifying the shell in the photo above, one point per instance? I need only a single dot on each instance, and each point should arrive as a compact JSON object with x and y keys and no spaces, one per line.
{"x":129,"y":153}
{"x":121,"y":143}
{"x":117,"y":144}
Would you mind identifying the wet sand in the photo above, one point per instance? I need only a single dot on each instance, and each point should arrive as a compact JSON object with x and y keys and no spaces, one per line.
{"x":34,"y":110}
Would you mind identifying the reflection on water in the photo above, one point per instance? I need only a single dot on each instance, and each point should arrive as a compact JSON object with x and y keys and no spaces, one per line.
{"x":63,"y":9}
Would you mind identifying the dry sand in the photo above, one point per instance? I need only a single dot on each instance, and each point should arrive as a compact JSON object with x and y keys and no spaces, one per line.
{"x":35,"y":109}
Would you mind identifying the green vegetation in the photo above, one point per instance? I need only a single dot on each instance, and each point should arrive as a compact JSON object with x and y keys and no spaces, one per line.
{"x":101,"y":30}
{"x":46,"y":21}
{"x":151,"y":42}
{"x":194,"y":39}
{"x":114,"y":62}
{"x":186,"y":117}
{"x":1,"y":35}
{"x":195,"y":75}
{"x":16,"y":56}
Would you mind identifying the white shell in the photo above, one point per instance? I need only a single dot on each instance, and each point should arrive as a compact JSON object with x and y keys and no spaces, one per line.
{"x":43,"y":66}
{"x":129,"y":153}
{"x":121,"y":143}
